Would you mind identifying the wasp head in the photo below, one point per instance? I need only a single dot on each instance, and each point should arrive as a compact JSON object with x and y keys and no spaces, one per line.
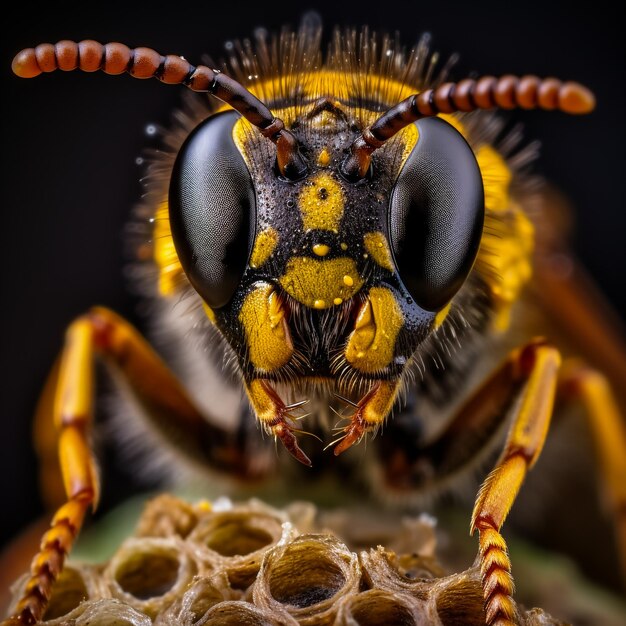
{"x":323,"y":277}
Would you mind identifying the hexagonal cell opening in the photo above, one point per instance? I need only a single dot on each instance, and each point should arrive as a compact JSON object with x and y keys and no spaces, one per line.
{"x":68,"y":592}
{"x":305,"y":576}
{"x":147,"y":575}
{"x":236,"y":614}
{"x":461,"y":603}
{"x":376,"y":608}
{"x":236,"y":537}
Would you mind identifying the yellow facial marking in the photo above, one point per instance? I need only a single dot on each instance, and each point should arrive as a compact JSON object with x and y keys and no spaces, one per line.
{"x":170,"y":269}
{"x":371,"y":345}
{"x":267,"y":334}
{"x":344,"y":246}
{"x":321,"y":203}
{"x":321,"y":249}
{"x":242,"y":130}
{"x":376,"y":245}
{"x":348,"y":281}
{"x":264,"y":246}
{"x":324,"y":158}
{"x":208,"y":311}
{"x":440,"y":318}
{"x":337,"y":301}
{"x":323,"y":119}
{"x":317,"y":284}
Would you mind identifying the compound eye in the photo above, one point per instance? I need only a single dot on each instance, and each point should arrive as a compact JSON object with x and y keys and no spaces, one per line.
{"x":436,"y":214}
{"x":212,"y":209}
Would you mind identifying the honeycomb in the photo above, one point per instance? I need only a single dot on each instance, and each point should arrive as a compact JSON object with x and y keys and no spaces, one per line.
{"x":249,"y":564}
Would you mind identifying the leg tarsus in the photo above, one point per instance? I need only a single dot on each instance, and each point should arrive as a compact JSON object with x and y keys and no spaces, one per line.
{"x":48,"y":562}
{"x":495,"y":569}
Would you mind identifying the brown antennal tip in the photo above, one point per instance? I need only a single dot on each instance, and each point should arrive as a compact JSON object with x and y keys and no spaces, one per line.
{"x":576,"y":99}
{"x":25,"y":64}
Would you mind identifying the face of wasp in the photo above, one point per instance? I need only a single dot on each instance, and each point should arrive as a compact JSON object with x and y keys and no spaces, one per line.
{"x":321,"y":277}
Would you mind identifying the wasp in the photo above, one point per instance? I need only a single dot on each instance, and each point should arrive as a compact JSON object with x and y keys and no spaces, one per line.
{"x":337,"y":234}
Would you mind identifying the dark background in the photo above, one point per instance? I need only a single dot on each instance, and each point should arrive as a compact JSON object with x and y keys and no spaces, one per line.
{"x":70,"y":142}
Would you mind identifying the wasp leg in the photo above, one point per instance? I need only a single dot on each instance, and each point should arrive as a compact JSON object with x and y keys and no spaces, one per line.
{"x":573,"y":303}
{"x":579,"y":382}
{"x":371,"y":412}
{"x":525,"y":384}
{"x":72,"y":418}
{"x":536,"y":365}
{"x":101,"y":332}
{"x":46,"y":443}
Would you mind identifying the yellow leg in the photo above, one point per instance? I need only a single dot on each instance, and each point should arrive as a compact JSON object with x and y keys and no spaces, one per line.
{"x":72,"y":417}
{"x":581,"y":383}
{"x":46,"y":441}
{"x":69,"y":397}
{"x":536,"y":365}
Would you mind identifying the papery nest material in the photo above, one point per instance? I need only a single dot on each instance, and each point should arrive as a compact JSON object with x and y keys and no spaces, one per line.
{"x":250,"y":564}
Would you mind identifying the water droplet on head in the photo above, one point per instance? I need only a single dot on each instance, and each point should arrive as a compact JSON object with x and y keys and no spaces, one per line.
{"x":151,"y":130}
{"x":139,"y":161}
